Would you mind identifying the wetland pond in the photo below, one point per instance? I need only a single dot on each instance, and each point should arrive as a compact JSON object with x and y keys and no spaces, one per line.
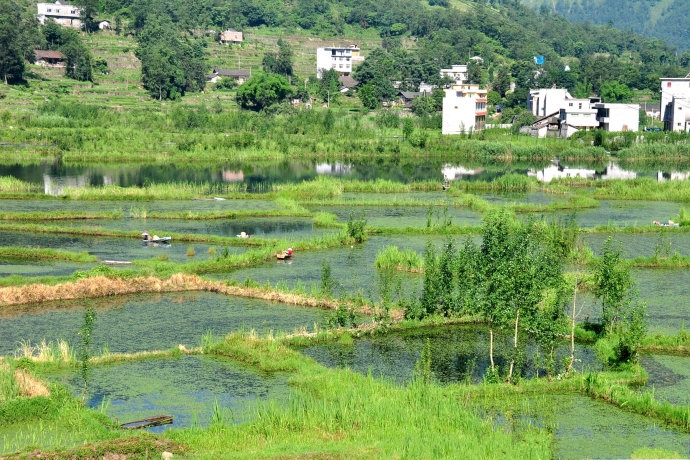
{"x":127,"y":324}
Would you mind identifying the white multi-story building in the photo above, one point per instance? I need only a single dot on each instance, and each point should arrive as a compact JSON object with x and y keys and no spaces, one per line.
{"x":546,"y":101}
{"x":562,"y":115}
{"x":457,"y":73}
{"x":337,"y":58}
{"x":675,"y":103}
{"x":65,"y":15}
{"x":618,"y":117}
{"x":464,"y":109}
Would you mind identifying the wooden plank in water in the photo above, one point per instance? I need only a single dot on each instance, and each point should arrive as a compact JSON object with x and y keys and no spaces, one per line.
{"x":117,"y":262}
{"x":156,"y":420}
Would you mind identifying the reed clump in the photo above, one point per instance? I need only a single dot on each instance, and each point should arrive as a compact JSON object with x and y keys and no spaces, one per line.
{"x":392,"y":258}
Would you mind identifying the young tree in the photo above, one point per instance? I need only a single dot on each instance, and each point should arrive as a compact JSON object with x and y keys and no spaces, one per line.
{"x":612,"y":281}
{"x":516,"y":270}
{"x":280,"y":63}
{"x":501,"y":83}
{"x":262,"y":91}
{"x":615,"y":91}
{"x":11,"y":59}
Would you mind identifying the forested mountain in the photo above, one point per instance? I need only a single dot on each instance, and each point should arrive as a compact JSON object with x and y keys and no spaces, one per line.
{"x":418,"y":38}
{"x":664,"y":19}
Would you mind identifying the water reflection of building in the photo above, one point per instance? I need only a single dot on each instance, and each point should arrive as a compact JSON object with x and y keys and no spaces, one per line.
{"x":55,"y":185}
{"x":335,"y":169}
{"x":613,"y":171}
{"x":233,"y":176}
{"x":451,"y":172}
{"x":558,"y":171}
{"x":662,"y":176}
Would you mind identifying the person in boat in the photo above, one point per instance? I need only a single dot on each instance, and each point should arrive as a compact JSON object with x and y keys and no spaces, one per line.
{"x":288,"y":252}
{"x":244,"y":235}
{"x":446,"y":186}
{"x":148,"y":237}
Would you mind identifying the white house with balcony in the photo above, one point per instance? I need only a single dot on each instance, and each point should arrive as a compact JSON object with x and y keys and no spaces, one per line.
{"x":464,"y":109}
{"x":64,"y":14}
{"x":675,"y":103}
{"x":562,"y":115}
{"x":618,"y":117}
{"x":337,"y":58}
{"x":457,"y":73}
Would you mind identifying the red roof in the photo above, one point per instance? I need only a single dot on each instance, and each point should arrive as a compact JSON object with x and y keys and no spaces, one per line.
{"x":44,"y":54}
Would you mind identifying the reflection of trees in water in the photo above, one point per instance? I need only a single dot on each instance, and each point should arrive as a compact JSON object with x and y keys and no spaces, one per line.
{"x":259,"y":227}
{"x":458,"y":354}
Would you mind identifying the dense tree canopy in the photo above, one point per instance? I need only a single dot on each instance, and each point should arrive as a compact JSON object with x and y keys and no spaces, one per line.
{"x":11,"y":59}
{"x":171,"y":63}
{"x":262,"y":91}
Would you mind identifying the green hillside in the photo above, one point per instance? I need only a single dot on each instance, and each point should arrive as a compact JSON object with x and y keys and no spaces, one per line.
{"x":405,"y":41}
{"x":664,"y":19}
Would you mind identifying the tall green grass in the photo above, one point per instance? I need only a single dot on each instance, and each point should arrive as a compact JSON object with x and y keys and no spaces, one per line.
{"x":392,"y":258}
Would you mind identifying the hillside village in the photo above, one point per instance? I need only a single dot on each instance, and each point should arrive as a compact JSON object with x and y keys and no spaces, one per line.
{"x":465,"y":107}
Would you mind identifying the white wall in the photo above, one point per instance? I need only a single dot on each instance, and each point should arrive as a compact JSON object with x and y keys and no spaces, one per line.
{"x":458,"y":113}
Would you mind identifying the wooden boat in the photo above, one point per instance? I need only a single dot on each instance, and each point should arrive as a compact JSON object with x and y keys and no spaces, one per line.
{"x":156,"y":420}
{"x":160,"y":239}
{"x":287,"y":254}
{"x":670,"y":223}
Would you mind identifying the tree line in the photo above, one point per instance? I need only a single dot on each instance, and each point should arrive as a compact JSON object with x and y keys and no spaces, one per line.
{"x":515,"y":282}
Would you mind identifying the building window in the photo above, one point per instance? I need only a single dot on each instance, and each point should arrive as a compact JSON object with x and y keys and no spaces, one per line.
{"x":50,"y":10}
{"x":668,"y":84}
{"x":570,"y":105}
{"x":580,"y":105}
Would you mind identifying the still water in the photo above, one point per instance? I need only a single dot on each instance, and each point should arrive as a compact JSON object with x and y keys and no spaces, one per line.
{"x":127,"y":324}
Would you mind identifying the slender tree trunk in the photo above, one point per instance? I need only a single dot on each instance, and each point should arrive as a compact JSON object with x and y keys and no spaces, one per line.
{"x":572,"y":331}
{"x":515,"y":345}
{"x":491,"y":347}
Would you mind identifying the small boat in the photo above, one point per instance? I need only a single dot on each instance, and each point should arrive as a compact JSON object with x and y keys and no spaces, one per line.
{"x":158,"y":239}
{"x":670,"y":223}
{"x":244,"y":235}
{"x":147,"y":422}
{"x":287,"y":254}
{"x":446,"y":186}
{"x":146,"y":238}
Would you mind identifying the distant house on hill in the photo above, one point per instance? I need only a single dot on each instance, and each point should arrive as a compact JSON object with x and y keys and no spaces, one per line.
{"x":675,"y":103}
{"x":339,"y":58}
{"x":240,"y":76}
{"x":232,"y":37}
{"x":65,"y":15}
{"x":561,"y":115}
{"x":406,"y":97}
{"x":348,"y":83}
{"x":464,"y":109}
{"x":49,"y":58}
{"x":457,"y":73}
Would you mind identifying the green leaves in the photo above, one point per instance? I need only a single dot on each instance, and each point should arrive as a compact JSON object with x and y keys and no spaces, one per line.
{"x":263,"y":90}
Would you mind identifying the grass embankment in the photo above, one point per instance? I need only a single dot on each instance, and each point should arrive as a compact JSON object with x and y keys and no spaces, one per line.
{"x":14,"y":253}
{"x":338,"y":413}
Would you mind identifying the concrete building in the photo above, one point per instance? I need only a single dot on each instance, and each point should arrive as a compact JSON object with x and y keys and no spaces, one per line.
{"x":337,"y":58}
{"x":240,"y":76}
{"x":457,"y":73}
{"x":562,"y":115}
{"x":618,"y":117}
{"x":65,"y":15}
{"x":675,"y":103}
{"x":464,"y":109}
{"x":231,"y":36}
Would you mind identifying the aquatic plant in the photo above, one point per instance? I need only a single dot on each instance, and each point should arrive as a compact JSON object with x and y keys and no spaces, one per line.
{"x":391,"y":257}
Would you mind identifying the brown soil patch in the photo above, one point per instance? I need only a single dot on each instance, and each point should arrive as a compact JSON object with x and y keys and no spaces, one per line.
{"x":30,"y":386}
{"x":145,"y":446}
